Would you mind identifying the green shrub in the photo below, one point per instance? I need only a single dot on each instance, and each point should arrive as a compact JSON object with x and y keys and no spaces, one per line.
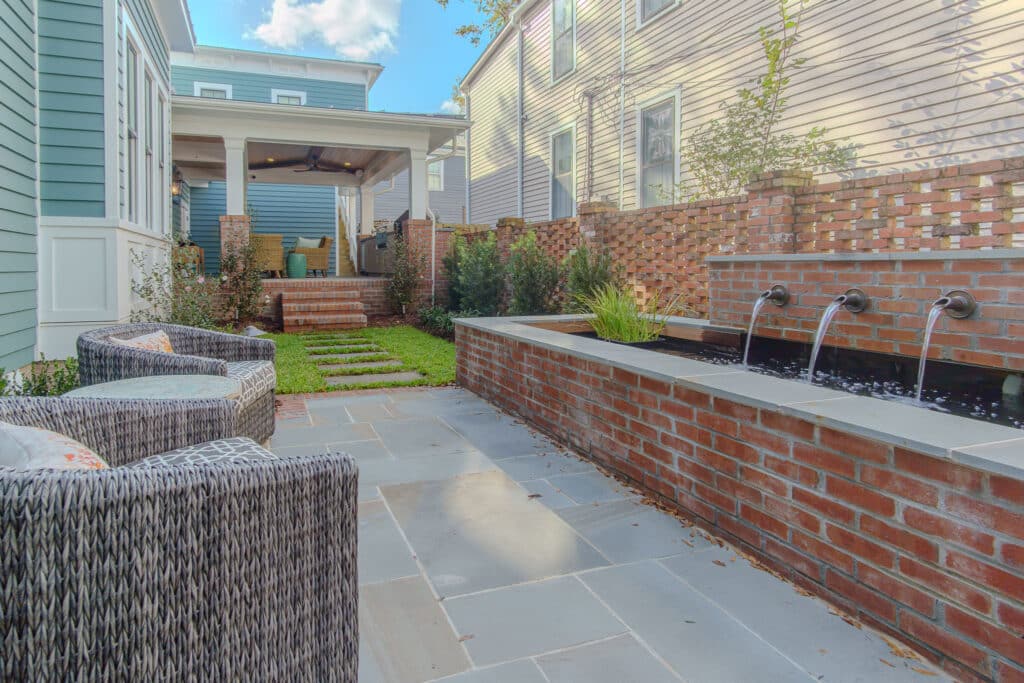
{"x":169,"y":293}
{"x":241,"y":284}
{"x":44,"y":378}
{"x":439,"y":322}
{"x":403,"y":287}
{"x":450,"y":269}
{"x":620,"y":318}
{"x":534,"y":278}
{"x":586,"y":274}
{"x":481,"y":276}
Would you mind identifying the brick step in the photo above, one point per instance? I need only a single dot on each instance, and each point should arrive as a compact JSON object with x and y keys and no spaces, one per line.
{"x":311,"y":322}
{"x":347,"y":294}
{"x":329,"y":306}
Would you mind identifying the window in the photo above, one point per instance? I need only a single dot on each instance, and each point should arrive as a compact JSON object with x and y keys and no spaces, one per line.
{"x":295,"y":97}
{"x":132,"y":103}
{"x":215,"y":91}
{"x":649,"y":8}
{"x":435,"y":176}
{"x":563,"y":38}
{"x":563,"y":184}
{"x":657,"y":153}
{"x":147,"y":138}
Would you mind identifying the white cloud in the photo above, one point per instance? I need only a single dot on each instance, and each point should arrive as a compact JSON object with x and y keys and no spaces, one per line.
{"x":356,"y":29}
{"x":451,"y":107}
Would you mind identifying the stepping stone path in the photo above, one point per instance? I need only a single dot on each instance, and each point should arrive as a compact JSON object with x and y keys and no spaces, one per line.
{"x":365,"y":360}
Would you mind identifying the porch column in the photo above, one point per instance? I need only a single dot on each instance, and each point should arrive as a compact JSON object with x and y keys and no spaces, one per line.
{"x":366,"y":197}
{"x":236,"y":175}
{"x":418,"y":195}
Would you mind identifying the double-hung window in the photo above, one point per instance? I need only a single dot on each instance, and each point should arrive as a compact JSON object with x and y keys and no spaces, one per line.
{"x":146,"y":135}
{"x":213,"y":91}
{"x":293,"y":97}
{"x":563,"y":38}
{"x":658,"y":153}
{"x":563,"y":184}
{"x":650,"y":8}
{"x":435,"y":176}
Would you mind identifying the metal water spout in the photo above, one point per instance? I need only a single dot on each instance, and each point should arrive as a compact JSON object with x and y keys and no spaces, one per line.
{"x":853,"y":300}
{"x":956,"y":304}
{"x":776,"y":294}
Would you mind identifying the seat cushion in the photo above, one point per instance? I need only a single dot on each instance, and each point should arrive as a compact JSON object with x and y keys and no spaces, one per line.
{"x":236,"y":451}
{"x":154,"y":341}
{"x":308,"y":242}
{"x":31,"y":448}
{"x":256,"y":377}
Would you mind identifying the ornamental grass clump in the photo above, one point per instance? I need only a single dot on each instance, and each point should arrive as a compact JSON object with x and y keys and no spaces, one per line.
{"x":620,"y":318}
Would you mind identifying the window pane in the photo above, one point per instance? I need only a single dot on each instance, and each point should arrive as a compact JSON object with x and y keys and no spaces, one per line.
{"x":132,"y":151}
{"x":215,"y":93}
{"x":651,"y":7}
{"x":562,"y":191}
{"x":658,"y":153}
{"x":289,"y":99}
{"x":435,"y":176}
{"x":563,"y":42}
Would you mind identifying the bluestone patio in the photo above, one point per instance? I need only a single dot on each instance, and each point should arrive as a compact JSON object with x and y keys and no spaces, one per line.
{"x":487,"y":553}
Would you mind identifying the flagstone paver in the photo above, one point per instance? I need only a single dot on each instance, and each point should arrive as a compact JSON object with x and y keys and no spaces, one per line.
{"x":355,"y":380}
{"x":490,"y":555}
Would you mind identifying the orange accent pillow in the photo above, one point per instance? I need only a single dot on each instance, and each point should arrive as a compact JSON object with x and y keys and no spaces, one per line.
{"x":154,"y":341}
{"x":31,"y":448}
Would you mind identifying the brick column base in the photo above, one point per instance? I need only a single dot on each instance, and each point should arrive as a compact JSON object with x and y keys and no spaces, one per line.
{"x":234,"y":232}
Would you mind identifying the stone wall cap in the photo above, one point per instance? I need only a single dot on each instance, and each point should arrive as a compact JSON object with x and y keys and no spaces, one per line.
{"x":937,"y":255}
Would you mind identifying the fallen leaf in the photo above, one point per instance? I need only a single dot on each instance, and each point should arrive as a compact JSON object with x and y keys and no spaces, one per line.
{"x":690,"y":621}
{"x":635,"y":524}
{"x":823,"y":651}
{"x":923,"y":672}
{"x":466,"y":637}
{"x":719,"y":563}
{"x":886,"y":662}
{"x":533,"y":495}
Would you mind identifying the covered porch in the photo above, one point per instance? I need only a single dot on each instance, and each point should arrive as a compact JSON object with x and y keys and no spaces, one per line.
{"x":298,"y":169}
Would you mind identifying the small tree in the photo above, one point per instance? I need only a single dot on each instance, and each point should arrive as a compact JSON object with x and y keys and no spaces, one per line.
{"x":534,"y":278}
{"x":241,"y":283}
{"x":724,"y":154}
{"x":403,"y":287}
{"x":481,"y":276}
{"x":587,"y":273}
{"x":450,"y":268}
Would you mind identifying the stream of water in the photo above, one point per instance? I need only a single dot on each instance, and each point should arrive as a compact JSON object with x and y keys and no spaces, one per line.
{"x":826,"y":321}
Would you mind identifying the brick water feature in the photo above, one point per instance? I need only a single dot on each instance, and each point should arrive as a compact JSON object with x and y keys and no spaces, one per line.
{"x":911,"y":520}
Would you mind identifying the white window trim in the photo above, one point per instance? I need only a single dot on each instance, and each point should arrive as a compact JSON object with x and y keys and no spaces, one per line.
{"x":161,"y":189}
{"x":673,"y":95}
{"x":642,"y":23}
{"x":275,"y":93}
{"x":571,"y":128}
{"x":440,"y":164}
{"x":575,"y":45}
{"x":198,"y":87}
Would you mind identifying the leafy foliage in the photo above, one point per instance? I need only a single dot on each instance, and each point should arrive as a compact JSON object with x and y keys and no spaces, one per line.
{"x":496,"y":14}
{"x":241,"y":283}
{"x":44,"y":378}
{"x":402,"y":288}
{"x":450,"y":269}
{"x":725,"y":153}
{"x":534,"y":278}
{"x":586,"y":274}
{"x":172,"y":293}
{"x":481,"y":275}
{"x":618,"y":316}
{"x":440,"y":322}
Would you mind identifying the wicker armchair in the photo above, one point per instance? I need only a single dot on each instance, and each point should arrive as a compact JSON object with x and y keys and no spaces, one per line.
{"x":319,"y":258}
{"x":197,"y":352}
{"x":269,"y":253}
{"x":219,"y":571}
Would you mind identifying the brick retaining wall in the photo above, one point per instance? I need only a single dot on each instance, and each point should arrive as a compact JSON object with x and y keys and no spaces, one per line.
{"x":919,"y":547}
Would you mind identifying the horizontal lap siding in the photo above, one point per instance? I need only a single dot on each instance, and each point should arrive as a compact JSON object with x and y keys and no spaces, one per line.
{"x":449,"y":204}
{"x":254,"y":87}
{"x":494,"y":138}
{"x":71,"y":147}
{"x":290,"y":210}
{"x":17,"y":183}
{"x":914,"y":84}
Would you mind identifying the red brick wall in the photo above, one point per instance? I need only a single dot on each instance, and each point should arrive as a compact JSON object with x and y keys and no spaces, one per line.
{"x":371,"y":292}
{"x":419,"y":235}
{"x":926,"y":550}
{"x":901,"y":295}
{"x":959,"y":207}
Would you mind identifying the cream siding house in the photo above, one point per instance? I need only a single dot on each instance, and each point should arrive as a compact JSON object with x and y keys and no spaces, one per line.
{"x":912,"y":84}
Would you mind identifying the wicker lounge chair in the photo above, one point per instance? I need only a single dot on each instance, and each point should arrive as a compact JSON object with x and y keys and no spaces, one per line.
{"x":269,"y":253}
{"x":216,"y":562}
{"x":197,"y":352}
{"x":317,"y":259}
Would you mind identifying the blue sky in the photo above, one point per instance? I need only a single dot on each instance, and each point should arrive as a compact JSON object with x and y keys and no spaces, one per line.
{"x":413,"y":39}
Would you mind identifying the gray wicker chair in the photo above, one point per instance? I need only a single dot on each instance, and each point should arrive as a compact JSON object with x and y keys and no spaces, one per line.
{"x":197,"y":352}
{"x":220,"y":571}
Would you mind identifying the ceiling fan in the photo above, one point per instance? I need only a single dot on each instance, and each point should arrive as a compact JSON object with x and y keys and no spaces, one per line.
{"x":313,"y":163}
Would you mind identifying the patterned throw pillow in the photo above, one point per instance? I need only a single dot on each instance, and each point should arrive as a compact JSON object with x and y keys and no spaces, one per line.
{"x":31,"y":448}
{"x":308,"y":242}
{"x":154,"y":341}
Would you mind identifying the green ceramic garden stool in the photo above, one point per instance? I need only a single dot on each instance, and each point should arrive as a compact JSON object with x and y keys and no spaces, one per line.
{"x":296,"y":265}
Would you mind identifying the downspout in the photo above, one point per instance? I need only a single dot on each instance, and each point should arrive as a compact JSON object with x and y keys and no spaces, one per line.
{"x":433,"y":256}
{"x":469,"y":165}
{"x":622,"y":98}
{"x":520,"y":105}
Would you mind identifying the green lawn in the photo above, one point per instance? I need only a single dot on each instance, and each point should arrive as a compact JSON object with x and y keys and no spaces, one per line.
{"x":412,"y":350}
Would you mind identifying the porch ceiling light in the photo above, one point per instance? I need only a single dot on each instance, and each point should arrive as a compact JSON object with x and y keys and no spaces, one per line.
{"x":270,"y":160}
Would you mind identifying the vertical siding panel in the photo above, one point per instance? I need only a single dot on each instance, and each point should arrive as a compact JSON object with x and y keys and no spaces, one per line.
{"x":17,"y":184}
